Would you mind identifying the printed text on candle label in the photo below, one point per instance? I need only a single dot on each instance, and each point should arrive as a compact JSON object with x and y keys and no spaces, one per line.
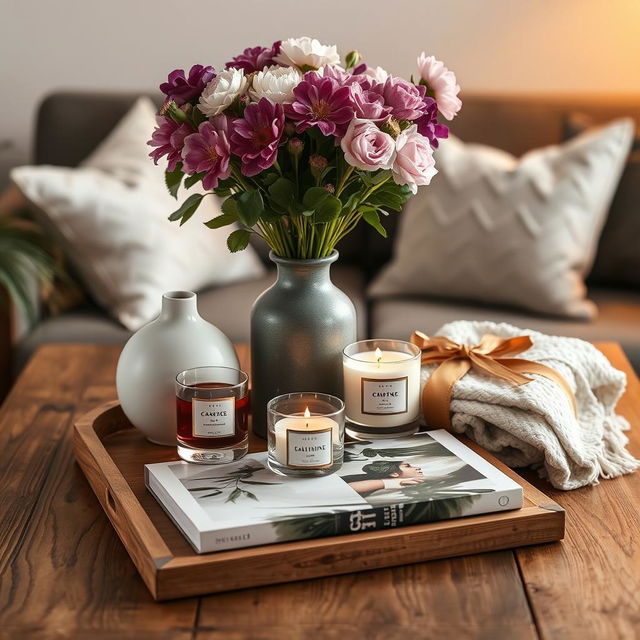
{"x":309,"y":449}
{"x":384,"y":397}
{"x":214,"y":418}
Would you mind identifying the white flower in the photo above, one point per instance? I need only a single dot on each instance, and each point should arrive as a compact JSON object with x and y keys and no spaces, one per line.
{"x":443,"y":84}
{"x":306,"y":53}
{"x":222,"y":91}
{"x":276,"y":84}
{"x":378,"y":74}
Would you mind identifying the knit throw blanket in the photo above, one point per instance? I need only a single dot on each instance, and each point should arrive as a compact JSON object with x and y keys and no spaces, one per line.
{"x":534,"y":424}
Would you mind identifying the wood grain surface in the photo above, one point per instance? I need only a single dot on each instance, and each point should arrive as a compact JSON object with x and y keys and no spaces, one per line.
{"x":64,"y":573}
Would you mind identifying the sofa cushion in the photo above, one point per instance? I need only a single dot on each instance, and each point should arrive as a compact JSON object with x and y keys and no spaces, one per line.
{"x":618,"y":259}
{"x":618,"y":319}
{"x":228,"y":307}
{"x":520,"y":232}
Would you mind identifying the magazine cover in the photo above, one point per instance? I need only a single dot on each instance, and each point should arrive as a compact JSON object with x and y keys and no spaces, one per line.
{"x":382,"y":484}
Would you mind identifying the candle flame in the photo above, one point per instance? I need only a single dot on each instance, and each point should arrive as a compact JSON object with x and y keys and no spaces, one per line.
{"x":378,"y":354}
{"x":307,"y":413}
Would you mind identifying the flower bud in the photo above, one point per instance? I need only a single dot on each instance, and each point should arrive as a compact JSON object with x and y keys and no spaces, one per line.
{"x":392,"y":127}
{"x":171,"y":110}
{"x":295,"y":146}
{"x":318,"y":162}
{"x":329,"y":187}
{"x":351,"y":59}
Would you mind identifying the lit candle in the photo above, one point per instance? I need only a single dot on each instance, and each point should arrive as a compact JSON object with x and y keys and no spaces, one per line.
{"x":305,"y":434}
{"x":306,"y":440}
{"x":381,"y":386}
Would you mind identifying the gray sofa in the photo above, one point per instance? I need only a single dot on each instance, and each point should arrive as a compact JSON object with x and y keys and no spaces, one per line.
{"x":70,"y":125}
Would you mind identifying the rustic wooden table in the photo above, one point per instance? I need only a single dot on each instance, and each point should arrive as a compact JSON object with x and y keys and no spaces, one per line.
{"x":64,"y":573}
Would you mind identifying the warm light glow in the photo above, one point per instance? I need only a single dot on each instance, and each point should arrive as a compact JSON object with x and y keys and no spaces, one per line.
{"x":307,"y":413}
{"x":378,"y":354}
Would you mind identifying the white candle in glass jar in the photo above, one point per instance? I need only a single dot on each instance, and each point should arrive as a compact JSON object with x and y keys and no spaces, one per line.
{"x":382,"y":387}
{"x":305,"y":441}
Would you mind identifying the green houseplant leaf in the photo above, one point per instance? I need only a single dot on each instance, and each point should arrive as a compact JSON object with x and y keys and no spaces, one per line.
{"x":371,"y":216}
{"x":187,"y":208}
{"x":173,"y":179}
{"x":238,"y":240}
{"x":250,"y":207}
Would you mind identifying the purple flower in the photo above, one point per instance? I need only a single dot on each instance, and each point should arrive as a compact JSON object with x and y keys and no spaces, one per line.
{"x":321,"y":102}
{"x":428,"y":125}
{"x":404,"y":98}
{"x":257,"y":135}
{"x":208,"y":151}
{"x":255,"y":58}
{"x":181,"y":89}
{"x":168,"y":138}
{"x":367,"y":103}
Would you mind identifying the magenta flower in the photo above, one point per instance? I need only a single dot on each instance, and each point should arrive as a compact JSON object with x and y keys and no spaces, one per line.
{"x":321,"y":102}
{"x":168,"y":138}
{"x":428,"y":125}
{"x":404,"y":98}
{"x":255,"y":58}
{"x":208,"y":151}
{"x":257,"y":135}
{"x":181,"y":89}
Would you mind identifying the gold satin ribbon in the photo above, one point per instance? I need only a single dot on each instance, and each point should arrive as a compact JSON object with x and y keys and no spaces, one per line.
{"x":487,"y":356}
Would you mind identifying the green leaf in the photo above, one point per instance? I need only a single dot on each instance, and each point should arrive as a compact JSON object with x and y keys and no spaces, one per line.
{"x":173,"y":179}
{"x":351,"y":203}
{"x":282,"y":192}
{"x":221,"y":221}
{"x":372,"y":218}
{"x":386,"y":199}
{"x":314,"y":196}
{"x":329,"y":209}
{"x":230,"y":207}
{"x":270,"y":178}
{"x":250,"y":207}
{"x":238,"y":240}
{"x":187,"y":208}
{"x":381,"y":176}
{"x":189,"y":181}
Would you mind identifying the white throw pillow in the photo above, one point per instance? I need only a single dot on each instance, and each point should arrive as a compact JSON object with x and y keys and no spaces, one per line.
{"x":112,"y":215}
{"x":518,"y":232}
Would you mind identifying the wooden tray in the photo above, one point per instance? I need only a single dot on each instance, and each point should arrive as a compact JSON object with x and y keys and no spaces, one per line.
{"x":112,"y":455}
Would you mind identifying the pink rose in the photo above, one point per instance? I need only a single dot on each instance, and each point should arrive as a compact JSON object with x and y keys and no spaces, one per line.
{"x":414,"y":164}
{"x":443,"y":84}
{"x":366,"y":147}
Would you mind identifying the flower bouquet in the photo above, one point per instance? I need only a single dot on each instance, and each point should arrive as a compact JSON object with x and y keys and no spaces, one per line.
{"x":300,"y":144}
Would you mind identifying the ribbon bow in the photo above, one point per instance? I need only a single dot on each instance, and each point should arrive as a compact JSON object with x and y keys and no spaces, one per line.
{"x":488,"y":356}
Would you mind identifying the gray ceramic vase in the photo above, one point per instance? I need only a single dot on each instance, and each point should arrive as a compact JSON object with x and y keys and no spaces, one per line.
{"x":299,"y":328}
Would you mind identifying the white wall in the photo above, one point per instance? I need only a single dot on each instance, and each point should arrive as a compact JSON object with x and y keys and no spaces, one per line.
{"x":588,"y":46}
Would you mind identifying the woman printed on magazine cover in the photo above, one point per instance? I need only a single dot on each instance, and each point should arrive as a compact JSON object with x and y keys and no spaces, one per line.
{"x":385,"y":474}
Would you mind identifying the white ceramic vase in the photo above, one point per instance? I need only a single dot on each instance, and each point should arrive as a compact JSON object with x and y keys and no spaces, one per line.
{"x":178,"y":339}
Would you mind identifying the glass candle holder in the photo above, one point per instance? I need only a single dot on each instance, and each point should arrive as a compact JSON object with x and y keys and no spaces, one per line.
{"x":381,"y":388}
{"x":212,"y":414}
{"x":305,"y":434}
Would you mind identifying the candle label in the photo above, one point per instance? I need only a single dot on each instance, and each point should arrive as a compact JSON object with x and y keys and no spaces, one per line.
{"x":214,"y":418}
{"x":384,"y":397}
{"x":309,"y":449}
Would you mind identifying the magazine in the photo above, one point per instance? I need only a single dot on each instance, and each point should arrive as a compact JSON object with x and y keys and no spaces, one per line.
{"x":382,"y":484}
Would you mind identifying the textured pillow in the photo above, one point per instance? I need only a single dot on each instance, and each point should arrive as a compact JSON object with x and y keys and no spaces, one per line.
{"x":618,"y":257}
{"x":514,"y":232}
{"x":114,"y":227}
